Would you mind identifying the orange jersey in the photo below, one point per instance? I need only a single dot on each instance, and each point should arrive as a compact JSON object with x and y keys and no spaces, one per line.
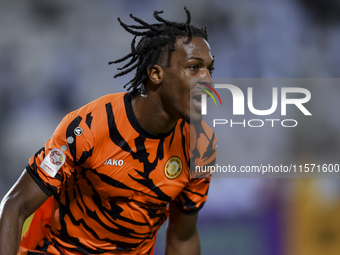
{"x":110,"y":181}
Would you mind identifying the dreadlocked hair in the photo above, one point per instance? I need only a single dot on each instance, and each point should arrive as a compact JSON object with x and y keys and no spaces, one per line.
{"x":156,"y":40}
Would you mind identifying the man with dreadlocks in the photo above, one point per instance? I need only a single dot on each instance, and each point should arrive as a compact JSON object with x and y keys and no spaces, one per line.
{"x":117,"y":168}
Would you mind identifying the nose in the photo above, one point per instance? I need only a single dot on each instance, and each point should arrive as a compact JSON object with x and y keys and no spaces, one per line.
{"x":206,"y":77}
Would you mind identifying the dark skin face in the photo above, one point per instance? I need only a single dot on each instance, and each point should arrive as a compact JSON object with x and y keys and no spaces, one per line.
{"x":172,"y":91}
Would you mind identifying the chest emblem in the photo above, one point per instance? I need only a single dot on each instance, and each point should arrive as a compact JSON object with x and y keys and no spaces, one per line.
{"x":173,"y":167}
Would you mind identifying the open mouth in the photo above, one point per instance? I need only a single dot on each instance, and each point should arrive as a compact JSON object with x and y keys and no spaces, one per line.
{"x":201,"y":89}
{"x":197,"y":99}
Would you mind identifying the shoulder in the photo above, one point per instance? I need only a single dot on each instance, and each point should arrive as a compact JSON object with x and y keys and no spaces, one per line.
{"x":96,"y":110}
{"x":203,"y":128}
{"x":199,"y":129}
{"x":87,"y":121}
{"x":203,"y":145}
{"x":100,"y":104}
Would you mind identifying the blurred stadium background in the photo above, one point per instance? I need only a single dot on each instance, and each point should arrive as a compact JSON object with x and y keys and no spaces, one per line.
{"x":53,"y":59}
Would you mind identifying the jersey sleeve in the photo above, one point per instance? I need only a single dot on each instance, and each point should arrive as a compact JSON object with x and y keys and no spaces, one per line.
{"x":193,"y":196}
{"x":203,"y":151}
{"x":68,"y":150}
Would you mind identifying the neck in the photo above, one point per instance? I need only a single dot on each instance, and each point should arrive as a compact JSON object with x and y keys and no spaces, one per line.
{"x":151,"y":114}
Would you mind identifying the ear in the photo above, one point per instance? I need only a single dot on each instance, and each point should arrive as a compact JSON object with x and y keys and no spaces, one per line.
{"x":156,"y":74}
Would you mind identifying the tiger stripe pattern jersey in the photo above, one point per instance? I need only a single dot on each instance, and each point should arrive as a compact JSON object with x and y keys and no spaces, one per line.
{"x":110,"y":181}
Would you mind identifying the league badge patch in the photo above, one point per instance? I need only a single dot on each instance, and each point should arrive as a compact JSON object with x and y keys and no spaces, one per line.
{"x":53,"y":162}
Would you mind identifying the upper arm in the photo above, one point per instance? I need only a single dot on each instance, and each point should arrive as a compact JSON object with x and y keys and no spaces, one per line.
{"x":23,"y":199}
{"x":52,"y":165}
{"x":25,"y":196}
{"x":181,"y":225}
{"x":182,"y":234}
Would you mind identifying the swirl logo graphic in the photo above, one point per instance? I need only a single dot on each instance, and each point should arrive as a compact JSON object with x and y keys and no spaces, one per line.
{"x":204,"y":97}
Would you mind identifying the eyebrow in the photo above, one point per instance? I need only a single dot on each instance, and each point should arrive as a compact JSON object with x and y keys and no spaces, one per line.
{"x":201,"y":59}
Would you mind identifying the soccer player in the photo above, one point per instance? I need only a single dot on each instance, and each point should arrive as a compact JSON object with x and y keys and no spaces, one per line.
{"x":116,"y":168}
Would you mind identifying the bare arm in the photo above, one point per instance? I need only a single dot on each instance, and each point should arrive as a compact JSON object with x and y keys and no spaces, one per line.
{"x":182,"y":234}
{"x":23,"y":199}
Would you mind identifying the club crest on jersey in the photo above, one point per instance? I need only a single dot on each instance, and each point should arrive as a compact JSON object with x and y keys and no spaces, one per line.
{"x":53,"y":162}
{"x":114,"y":162}
{"x":173,"y":167}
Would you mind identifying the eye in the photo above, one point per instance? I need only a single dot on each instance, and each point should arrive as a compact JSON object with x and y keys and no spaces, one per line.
{"x":193,"y":67}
